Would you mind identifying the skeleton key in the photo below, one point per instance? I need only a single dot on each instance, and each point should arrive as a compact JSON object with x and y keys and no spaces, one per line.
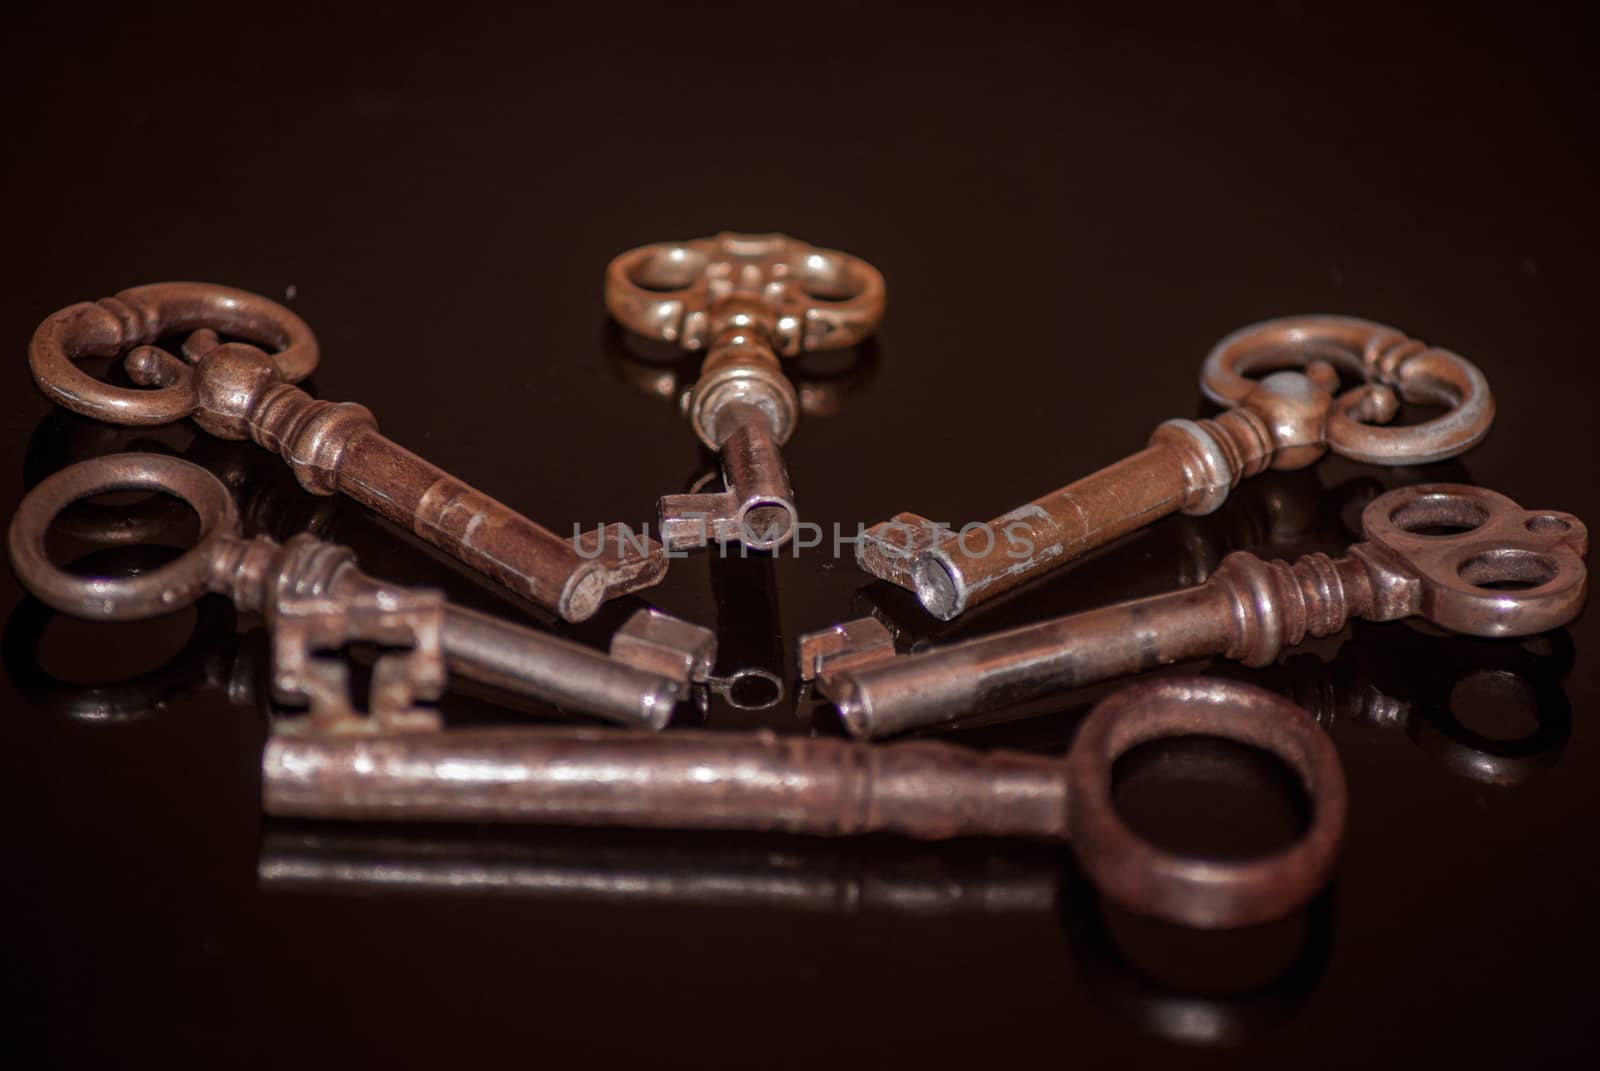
{"x":830,"y":787}
{"x":747,"y":299}
{"x":316,"y":601}
{"x":1287,"y":419}
{"x":241,"y":390}
{"x":1498,"y":570}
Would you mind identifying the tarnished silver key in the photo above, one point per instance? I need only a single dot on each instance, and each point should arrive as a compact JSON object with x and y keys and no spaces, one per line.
{"x":1287,"y":419}
{"x":241,"y":390}
{"x":316,"y":601}
{"x":1496,"y":570}
{"x":747,"y":300}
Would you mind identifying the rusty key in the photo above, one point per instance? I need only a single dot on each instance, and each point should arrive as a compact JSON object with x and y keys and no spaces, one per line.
{"x":239,"y":390}
{"x":1287,"y":419}
{"x":832,"y":787}
{"x":747,"y":300}
{"x":316,"y":601}
{"x":1463,"y":558}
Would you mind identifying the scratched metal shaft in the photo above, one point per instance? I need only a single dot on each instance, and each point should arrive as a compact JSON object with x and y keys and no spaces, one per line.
{"x":1248,"y":610}
{"x":492,"y":651}
{"x":690,"y":780}
{"x":1064,"y":524}
{"x":482,"y":532}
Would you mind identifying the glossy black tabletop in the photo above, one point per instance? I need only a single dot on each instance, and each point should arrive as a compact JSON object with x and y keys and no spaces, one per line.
{"x":1069,"y":208}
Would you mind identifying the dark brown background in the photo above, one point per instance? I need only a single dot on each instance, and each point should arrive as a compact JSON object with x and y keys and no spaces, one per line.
{"x":1069,"y":207}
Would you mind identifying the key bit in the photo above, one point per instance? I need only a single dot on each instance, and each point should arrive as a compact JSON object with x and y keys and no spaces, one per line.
{"x":239,"y":390}
{"x":747,"y":300}
{"x":1287,"y":419}
{"x":315,"y":600}
{"x":1496,"y":570}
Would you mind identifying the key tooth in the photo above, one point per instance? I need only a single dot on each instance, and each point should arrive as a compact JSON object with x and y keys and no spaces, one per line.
{"x":312,"y":593}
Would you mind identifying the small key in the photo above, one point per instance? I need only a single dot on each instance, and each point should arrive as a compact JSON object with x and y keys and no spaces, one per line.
{"x":241,"y":390}
{"x":315,"y":601}
{"x":746,"y":299}
{"x":1498,"y":570}
{"x":1287,"y":419}
{"x":830,"y":787}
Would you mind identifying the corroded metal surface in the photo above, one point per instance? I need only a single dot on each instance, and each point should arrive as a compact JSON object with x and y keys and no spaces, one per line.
{"x":831,"y":787}
{"x":747,"y":300}
{"x":1461,"y":557}
{"x":1287,"y":419}
{"x":239,"y":390}
{"x":315,"y":599}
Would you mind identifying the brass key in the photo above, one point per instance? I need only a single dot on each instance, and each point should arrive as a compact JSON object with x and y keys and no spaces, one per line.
{"x":1285,"y":420}
{"x":1498,"y":570}
{"x":240,"y":390}
{"x":746,"y":299}
{"x":316,"y":601}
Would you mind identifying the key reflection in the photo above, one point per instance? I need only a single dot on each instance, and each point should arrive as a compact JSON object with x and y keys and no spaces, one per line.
{"x":1122,"y":959}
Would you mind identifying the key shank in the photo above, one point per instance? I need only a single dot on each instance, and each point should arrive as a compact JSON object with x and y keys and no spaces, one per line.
{"x":1249,"y":610}
{"x":1506,"y":572}
{"x":245,"y":390}
{"x":1189,"y":466}
{"x":829,"y":787}
{"x":336,"y":447}
{"x":747,"y":300}
{"x":1286,"y":419}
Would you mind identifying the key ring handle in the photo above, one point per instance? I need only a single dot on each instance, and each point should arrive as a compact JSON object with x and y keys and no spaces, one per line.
{"x":1204,"y":893}
{"x":1479,"y":563}
{"x":801,"y":297}
{"x":172,"y":586}
{"x":1394,"y":368}
{"x":133,"y":321}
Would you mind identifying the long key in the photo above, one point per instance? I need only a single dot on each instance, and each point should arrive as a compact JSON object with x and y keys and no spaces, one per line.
{"x":746,"y":299}
{"x":315,"y":600}
{"x":832,"y":787}
{"x":1498,"y":570}
{"x":1287,"y":420}
{"x":238,"y":390}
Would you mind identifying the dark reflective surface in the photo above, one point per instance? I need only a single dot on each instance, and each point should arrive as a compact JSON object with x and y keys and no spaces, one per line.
{"x":1069,"y":208}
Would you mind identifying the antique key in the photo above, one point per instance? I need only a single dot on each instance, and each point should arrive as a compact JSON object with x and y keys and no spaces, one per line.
{"x":831,"y":787}
{"x":315,"y":600}
{"x":1287,"y":419}
{"x":746,"y":299}
{"x":240,"y":390}
{"x":1460,"y":557}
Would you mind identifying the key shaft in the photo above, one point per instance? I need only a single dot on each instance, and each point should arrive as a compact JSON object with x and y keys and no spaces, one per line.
{"x":1249,"y":610}
{"x":831,"y":787}
{"x":747,"y":300}
{"x":238,"y":390}
{"x":1287,"y":420}
{"x":315,"y":599}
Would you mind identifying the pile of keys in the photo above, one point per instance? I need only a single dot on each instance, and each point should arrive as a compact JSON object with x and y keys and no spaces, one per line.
{"x":1460,"y":557}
